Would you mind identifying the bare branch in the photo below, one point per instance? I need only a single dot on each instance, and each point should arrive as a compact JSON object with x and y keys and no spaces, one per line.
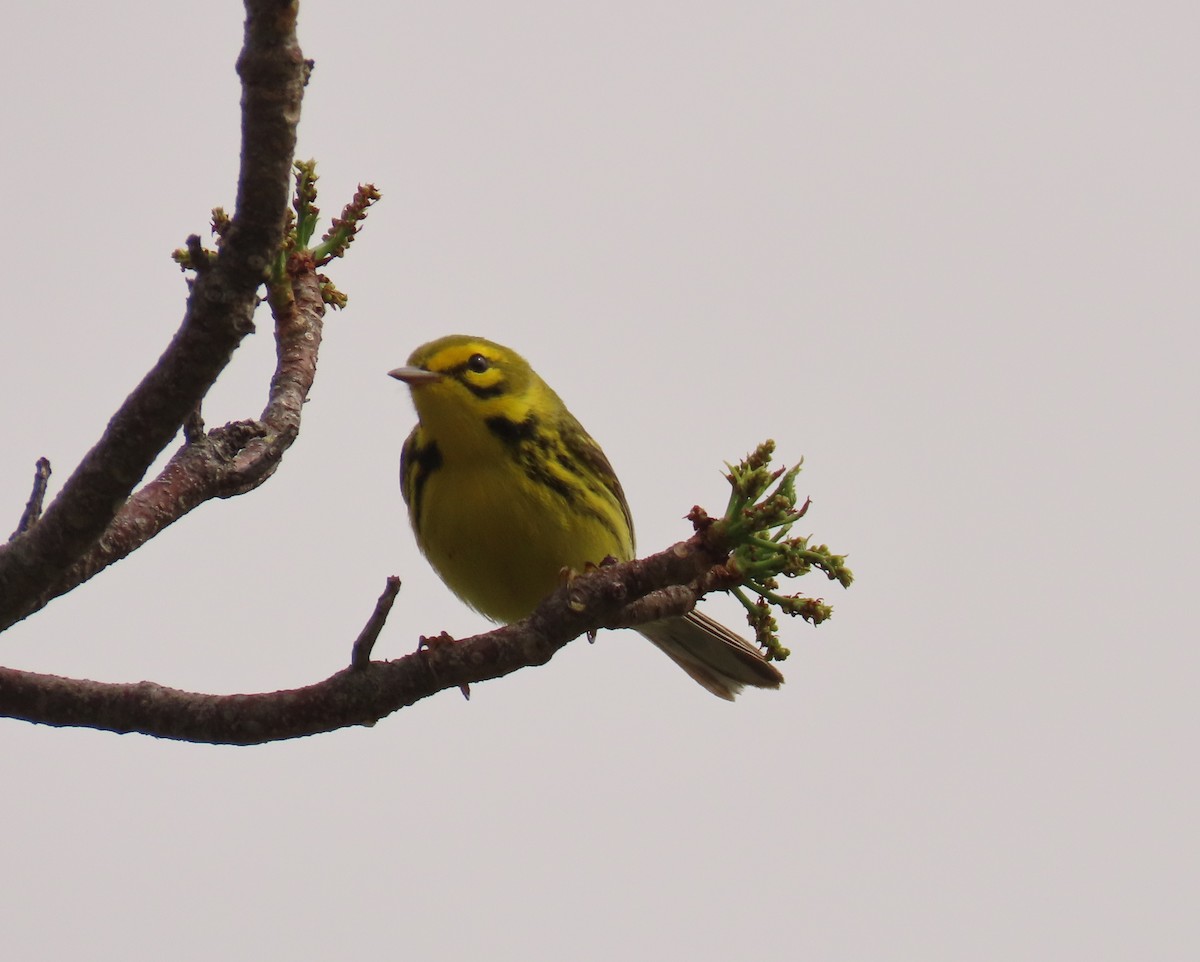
{"x":219,"y":314}
{"x":228,"y":460}
{"x":364,"y":693}
{"x":671,"y":602}
{"x":360,"y":654}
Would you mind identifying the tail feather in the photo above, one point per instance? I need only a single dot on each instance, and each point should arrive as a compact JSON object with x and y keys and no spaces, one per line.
{"x":714,"y":656}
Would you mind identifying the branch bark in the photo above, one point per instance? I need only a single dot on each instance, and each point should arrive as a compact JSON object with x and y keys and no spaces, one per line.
{"x":611,"y":596}
{"x":93,"y":502}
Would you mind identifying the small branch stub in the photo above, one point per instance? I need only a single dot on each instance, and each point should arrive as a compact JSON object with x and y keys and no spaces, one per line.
{"x":360,"y":654}
{"x":33,"y":507}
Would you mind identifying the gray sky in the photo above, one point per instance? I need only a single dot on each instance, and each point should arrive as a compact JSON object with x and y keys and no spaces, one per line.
{"x":946,"y":253}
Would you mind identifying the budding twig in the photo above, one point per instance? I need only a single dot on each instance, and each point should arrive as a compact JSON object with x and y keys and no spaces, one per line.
{"x":758,"y":518}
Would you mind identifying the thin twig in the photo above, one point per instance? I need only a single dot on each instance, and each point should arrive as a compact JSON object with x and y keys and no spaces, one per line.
{"x":670,"y":602}
{"x":360,"y":654}
{"x":33,"y":507}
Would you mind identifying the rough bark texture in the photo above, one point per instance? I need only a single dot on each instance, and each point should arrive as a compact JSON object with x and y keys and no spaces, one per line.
{"x":366,"y":692}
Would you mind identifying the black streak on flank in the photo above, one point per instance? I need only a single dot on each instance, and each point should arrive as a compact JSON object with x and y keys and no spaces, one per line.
{"x":425,"y":461}
{"x":510,"y":431}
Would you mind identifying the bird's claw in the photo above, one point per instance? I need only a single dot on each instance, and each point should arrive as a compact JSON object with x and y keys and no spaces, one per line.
{"x":427,"y":643}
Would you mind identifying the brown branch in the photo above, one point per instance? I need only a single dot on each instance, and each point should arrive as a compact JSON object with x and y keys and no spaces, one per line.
{"x":669,"y":602}
{"x":219,"y":314}
{"x":364,"y":694}
{"x":228,"y":460}
{"x":360,"y":654}
{"x":33,"y":507}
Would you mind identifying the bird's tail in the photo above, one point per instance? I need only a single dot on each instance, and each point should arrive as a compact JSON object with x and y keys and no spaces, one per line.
{"x":718,"y":659}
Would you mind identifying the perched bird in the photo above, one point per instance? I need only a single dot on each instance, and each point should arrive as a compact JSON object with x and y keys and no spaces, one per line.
{"x":505,"y":489}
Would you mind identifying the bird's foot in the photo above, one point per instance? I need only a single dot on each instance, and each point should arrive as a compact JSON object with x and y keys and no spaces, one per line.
{"x":427,"y":643}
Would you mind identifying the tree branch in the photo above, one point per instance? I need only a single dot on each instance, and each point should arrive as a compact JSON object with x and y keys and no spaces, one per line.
{"x":364,"y":693}
{"x":219,"y":314}
{"x":228,"y":460}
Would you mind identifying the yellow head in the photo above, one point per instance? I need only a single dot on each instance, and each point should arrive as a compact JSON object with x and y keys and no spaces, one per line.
{"x":462,"y":384}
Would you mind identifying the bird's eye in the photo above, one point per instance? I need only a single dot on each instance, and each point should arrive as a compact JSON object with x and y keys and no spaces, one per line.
{"x":478,"y":363}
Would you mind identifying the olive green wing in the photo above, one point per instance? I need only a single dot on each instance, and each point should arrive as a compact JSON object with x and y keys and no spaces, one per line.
{"x":594,"y":467}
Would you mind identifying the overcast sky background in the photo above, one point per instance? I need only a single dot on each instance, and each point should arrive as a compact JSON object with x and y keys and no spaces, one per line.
{"x":945,"y":252}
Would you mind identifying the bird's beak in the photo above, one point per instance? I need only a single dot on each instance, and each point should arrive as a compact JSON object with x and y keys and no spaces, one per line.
{"x":412,"y":376}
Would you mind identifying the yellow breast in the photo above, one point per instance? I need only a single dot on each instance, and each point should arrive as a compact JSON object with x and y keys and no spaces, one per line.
{"x":499,"y":538}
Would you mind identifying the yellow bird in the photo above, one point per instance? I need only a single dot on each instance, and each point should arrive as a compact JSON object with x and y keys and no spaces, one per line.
{"x":505,"y":489}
